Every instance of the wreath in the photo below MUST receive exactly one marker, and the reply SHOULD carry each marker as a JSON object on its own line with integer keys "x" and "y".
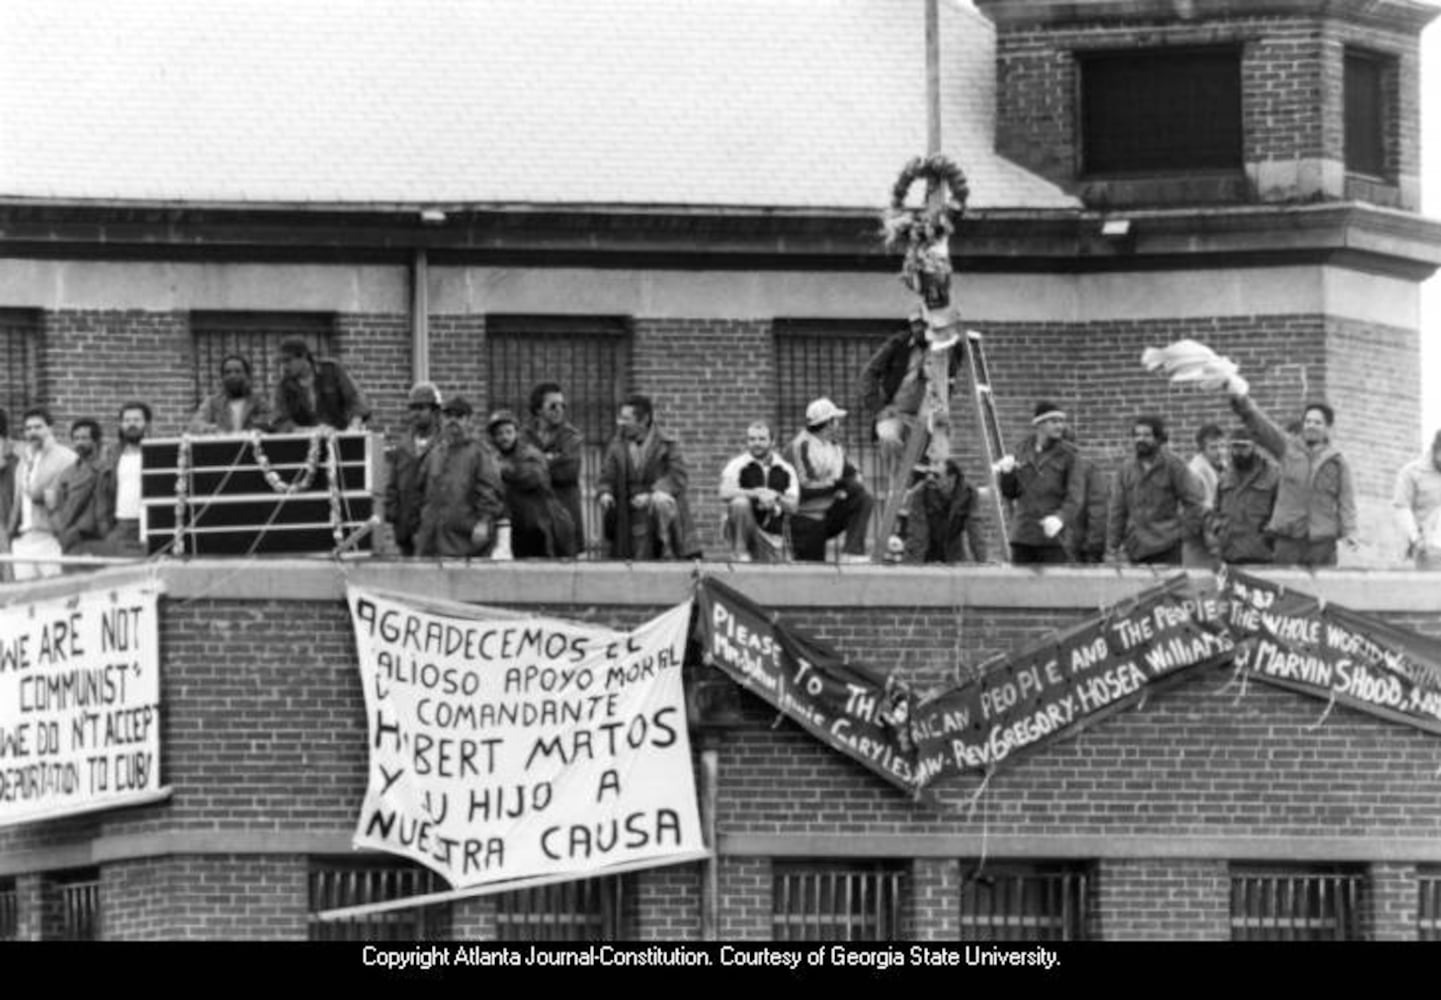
{"x": 921, "y": 233}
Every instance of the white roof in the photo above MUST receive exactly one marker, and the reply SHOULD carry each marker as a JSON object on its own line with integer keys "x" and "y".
{"x": 751, "y": 103}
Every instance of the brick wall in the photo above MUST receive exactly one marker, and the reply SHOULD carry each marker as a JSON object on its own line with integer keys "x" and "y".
{"x": 1155, "y": 900}
{"x": 1292, "y": 106}
{"x": 375, "y": 349}
{"x": 191, "y": 897}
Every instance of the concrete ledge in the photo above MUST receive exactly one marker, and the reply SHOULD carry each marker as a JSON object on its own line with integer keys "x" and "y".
{"x": 659, "y": 584}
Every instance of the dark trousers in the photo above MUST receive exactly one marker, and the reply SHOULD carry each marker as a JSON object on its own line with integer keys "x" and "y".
{"x": 1305, "y": 552}
{"x": 1038, "y": 555}
{"x": 810, "y": 534}
{"x": 1166, "y": 557}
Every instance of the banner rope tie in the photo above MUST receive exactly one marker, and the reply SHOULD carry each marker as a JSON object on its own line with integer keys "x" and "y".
{"x": 1330, "y": 704}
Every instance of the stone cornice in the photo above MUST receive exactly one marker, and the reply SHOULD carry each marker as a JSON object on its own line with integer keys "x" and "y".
{"x": 1399, "y": 15}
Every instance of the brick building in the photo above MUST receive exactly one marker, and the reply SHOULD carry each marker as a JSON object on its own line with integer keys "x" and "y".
{"x": 630, "y": 199}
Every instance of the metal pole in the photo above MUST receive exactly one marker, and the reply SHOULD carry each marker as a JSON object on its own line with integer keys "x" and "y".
{"x": 933, "y": 77}
{"x": 710, "y": 885}
{"x": 420, "y": 316}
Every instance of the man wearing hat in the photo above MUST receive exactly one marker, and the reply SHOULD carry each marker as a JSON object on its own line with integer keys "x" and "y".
{"x": 460, "y": 491}
{"x": 642, "y": 489}
{"x": 315, "y": 392}
{"x": 1245, "y": 500}
{"x": 407, "y": 459}
{"x": 1046, "y": 482}
{"x": 833, "y": 499}
{"x": 540, "y": 526}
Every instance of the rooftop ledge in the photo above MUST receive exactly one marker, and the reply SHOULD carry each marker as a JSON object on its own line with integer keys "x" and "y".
{"x": 656, "y": 584}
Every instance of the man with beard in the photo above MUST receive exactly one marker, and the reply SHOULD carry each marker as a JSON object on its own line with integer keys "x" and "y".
{"x": 36, "y": 497}
{"x": 407, "y": 460}
{"x": 540, "y": 526}
{"x": 118, "y": 488}
{"x": 316, "y": 392}
{"x": 940, "y": 519}
{"x": 78, "y": 517}
{"x": 1315, "y": 501}
{"x": 642, "y": 489}
{"x": 460, "y": 492}
{"x": 1418, "y": 506}
{"x": 1157, "y": 500}
{"x": 560, "y": 442}
{"x": 1045, "y": 479}
{"x": 760, "y": 490}
{"x": 1245, "y": 498}
{"x": 236, "y": 407}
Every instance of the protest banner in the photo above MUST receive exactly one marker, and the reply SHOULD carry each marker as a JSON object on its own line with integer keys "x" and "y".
{"x": 79, "y": 703}
{"x": 1295, "y": 641}
{"x": 510, "y": 748}
{"x": 1053, "y": 689}
{"x": 853, "y": 708}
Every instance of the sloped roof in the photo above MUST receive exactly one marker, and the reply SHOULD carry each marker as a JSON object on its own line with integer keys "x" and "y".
{"x": 775, "y": 103}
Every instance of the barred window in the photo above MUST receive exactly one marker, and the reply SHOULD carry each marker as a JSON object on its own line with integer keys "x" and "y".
{"x": 590, "y": 359}
{"x": 1428, "y": 904}
{"x": 837, "y": 901}
{"x": 1369, "y": 103}
{"x": 582, "y": 910}
{"x": 1160, "y": 110}
{"x": 342, "y": 882}
{"x": 20, "y": 371}
{"x": 1025, "y": 902}
{"x": 9, "y": 911}
{"x": 255, "y": 336}
{"x": 78, "y": 914}
{"x": 1296, "y": 903}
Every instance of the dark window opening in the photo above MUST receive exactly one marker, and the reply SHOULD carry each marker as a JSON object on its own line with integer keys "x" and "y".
{"x": 1296, "y": 903}
{"x": 837, "y": 901}
{"x": 257, "y": 338}
{"x": 20, "y": 373}
{"x": 1161, "y": 110}
{"x": 341, "y": 883}
{"x": 1368, "y": 79}
{"x": 583, "y": 910}
{"x": 1024, "y": 902}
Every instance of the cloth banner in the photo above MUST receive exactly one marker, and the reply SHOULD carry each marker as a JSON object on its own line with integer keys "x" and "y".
{"x": 505, "y": 748}
{"x": 79, "y": 702}
{"x": 850, "y": 707}
{"x": 1296, "y": 641}
{"x": 1053, "y": 689}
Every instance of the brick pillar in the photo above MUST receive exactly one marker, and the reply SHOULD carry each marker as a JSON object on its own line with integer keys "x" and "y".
{"x": 1161, "y": 900}
{"x": 664, "y": 904}
{"x": 473, "y": 919}
{"x": 932, "y": 908}
{"x": 745, "y": 891}
{"x": 29, "y": 891}
{"x": 1388, "y": 910}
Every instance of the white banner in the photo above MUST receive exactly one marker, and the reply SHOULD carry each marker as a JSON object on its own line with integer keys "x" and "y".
{"x": 79, "y": 703}
{"x": 508, "y": 748}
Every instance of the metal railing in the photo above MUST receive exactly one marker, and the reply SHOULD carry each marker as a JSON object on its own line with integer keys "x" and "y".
{"x": 9, "y": 911}
{"x": 1025, "y": 903}
{"x": 1280, "y": 905}
{"x": 824, "y": 902}
{"x": 584, "y": 910}
{"x": 333, "y": 886}
{"x": 257, "y": 338}
{"x": 80, "y": 910}
{"x": 1428, "y": 906}
{"x": 20, "y": 375}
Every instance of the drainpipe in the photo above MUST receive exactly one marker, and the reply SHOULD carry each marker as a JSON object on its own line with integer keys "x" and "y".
{"x": 710, "y": 881}
{"x": 419, "y": 316}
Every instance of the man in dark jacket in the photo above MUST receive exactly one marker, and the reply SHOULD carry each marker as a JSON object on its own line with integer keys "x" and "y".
{"x": 941, "y": 519}
{"x": 315, "y": 392}
{"x": 78, "y": 520}
{"x": 236, "y": 407}
{"x": 1156, "y": 502}
{"x": 1245, "y": 500}
{"x": 407, "y": 460}
{"x": 642, "y": 489}
{"x": 561, "y": 443}
{"x": 460, "y": 491}
{"x": 1315, "y": 500}
{"x": 893, "y": 386}
{"x": 9, "y": 463}
{"x": 540, "y": 525}
{"x": 1045, "y": 480}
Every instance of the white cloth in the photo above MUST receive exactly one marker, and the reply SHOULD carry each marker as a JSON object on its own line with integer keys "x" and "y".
{"x": 35, "y": 545}
{"x": 127, "y": 486}
{"x": 1203, "y": 470}
{"x": 1190, "y": 361}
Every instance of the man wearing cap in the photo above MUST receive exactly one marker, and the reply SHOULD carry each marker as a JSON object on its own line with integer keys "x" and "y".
{"x": 1157, "y": 501}
{"x": 893, "y": 386}
{"x": 316, "y": 392}
{"x": 1315, "y": 500}
{"x": 460, "y": 491}
{"x": 561, "y": 444}
{"x": 1245, "y": 499}
{"x": 407, "y": 460}
{"x": 760, "y": 490}
{"x": 832, "y": 497}
{"x": 642, "y": 489}
{"x": 236, "y": 407}
{"x": 1417, "y": 501}
{"x": 1045, "y": 481}
{"x": 540, "y": 526}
